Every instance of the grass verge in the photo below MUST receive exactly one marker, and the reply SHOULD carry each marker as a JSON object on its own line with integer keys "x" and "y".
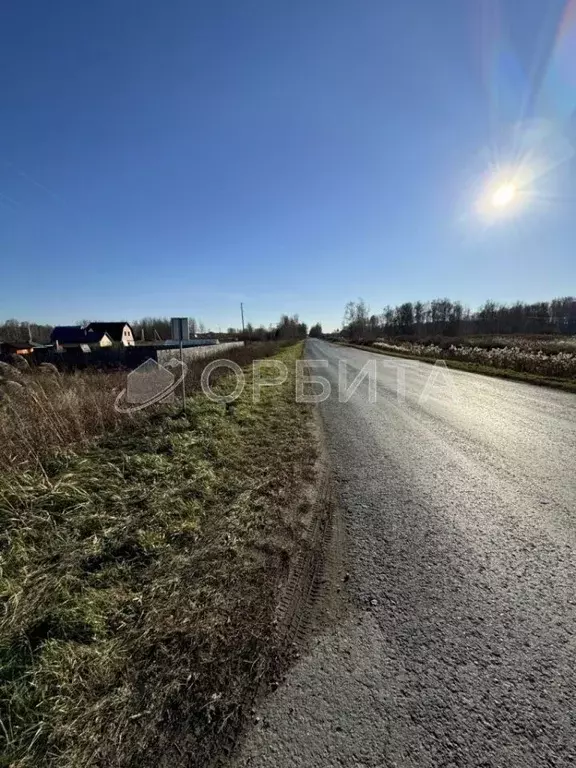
{"x": 486, "y": 370}
{"x": 44, "y": 410}
{"x": 139, "y": 582}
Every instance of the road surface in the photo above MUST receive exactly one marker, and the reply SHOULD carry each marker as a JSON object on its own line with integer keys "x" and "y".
{"x": 459, "y": 645}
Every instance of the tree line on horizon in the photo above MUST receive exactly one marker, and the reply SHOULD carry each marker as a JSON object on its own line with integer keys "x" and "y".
{"x": 316, "y": 331}
{"x": 158, "y": 328}
{"x": 451, "y": 318}
{"x": 288, "y": 327}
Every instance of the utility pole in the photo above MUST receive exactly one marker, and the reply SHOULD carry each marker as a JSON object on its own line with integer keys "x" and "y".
{"x": 242, "y": 313}
{"x": 183, "y": 374}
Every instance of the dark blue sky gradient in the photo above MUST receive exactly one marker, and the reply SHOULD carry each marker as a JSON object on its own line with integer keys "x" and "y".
{"x": 161, "y": 158}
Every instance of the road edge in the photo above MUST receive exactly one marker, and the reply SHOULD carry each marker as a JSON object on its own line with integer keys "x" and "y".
{"x": 312, "y": 597}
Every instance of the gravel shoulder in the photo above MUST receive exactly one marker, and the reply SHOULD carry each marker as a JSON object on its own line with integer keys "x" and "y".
{"x": 456, "y": 643}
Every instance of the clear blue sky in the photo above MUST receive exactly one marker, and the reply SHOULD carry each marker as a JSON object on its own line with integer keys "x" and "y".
{"x": 161, "y": 158}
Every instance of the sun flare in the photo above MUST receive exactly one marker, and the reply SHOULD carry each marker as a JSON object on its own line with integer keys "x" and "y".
{"x": 504, "y": 195}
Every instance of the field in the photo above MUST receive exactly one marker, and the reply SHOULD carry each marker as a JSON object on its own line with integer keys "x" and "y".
{"x": 140, "y": 568}
{"x": 541, "y": 359}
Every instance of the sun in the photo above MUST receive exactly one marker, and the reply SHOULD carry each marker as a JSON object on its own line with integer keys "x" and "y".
{"x": 505, "y": 191}
{"x": 504, "y": 195}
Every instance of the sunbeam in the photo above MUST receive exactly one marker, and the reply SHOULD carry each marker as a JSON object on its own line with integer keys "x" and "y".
{"x": 525, "y": 148}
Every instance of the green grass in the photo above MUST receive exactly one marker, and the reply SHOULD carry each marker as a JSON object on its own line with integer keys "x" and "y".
{"x": 486, "y": 370}
{"x": 139, "y": 582}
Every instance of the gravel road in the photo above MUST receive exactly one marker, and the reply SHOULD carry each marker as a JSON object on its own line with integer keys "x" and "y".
{"x": 457, "y": 647}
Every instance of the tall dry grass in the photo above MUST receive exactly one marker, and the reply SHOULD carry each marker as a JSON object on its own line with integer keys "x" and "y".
{"x": 560, "y": 364}
{"x": 44, "y": 411}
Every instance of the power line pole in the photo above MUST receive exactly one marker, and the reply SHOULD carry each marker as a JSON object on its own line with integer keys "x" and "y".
{"x": 242, "y": 313}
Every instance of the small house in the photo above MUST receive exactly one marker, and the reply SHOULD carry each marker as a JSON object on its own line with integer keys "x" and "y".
{"x": 76, "y": 337}
{"x": 121, "y": 332}
{"x": 16, "y": 347}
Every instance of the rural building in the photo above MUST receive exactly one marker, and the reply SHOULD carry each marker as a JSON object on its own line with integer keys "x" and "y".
{"x": 76, "y": 337}
{"x": 120, "y": 332}
{"x": 17, "y": 347}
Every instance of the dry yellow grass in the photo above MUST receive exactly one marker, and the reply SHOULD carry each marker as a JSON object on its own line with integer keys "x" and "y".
{"x": 139, "y": 582}
{"x": 44, "y": 411}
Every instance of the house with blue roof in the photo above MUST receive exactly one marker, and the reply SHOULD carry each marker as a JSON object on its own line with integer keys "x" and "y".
{"x": 77, "y": 337}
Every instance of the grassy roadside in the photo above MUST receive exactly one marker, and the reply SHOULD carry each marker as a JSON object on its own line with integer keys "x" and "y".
{"x": 139, "y": 582}
{"x": 487, "y": 370}
{"x": 44, "y": 411}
